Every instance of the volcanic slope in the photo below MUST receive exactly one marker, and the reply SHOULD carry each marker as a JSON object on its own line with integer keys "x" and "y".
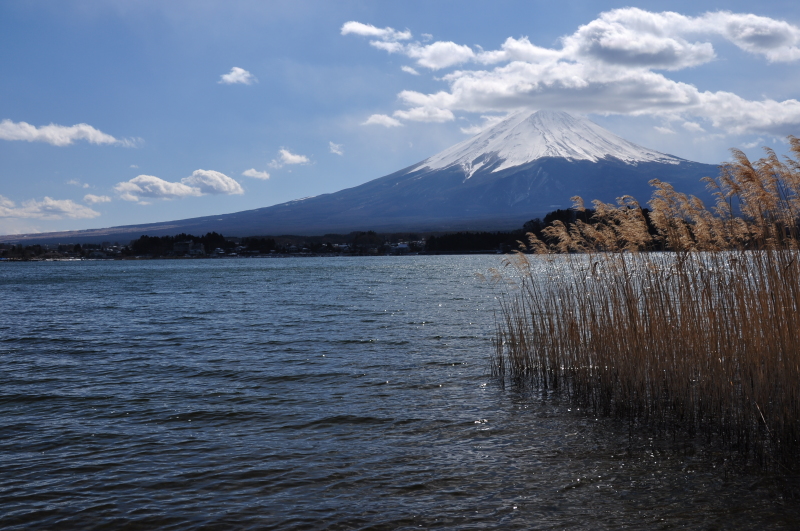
{"x": 523, "y": 167}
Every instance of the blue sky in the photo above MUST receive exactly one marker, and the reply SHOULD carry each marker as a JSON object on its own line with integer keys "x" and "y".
{"x": 116, "y": 113}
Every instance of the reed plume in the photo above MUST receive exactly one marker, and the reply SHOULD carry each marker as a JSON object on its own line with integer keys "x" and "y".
{"x": 703, "y": 338}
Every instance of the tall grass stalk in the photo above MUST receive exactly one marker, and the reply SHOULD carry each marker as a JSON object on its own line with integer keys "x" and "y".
{"x": 704, "y": 338}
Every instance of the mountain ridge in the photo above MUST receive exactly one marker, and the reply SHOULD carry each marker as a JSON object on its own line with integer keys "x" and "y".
{"x": 521, "y": 168}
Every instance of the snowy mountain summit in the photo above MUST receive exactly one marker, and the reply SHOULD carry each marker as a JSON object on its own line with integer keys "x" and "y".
{"x": 525, "y": 137}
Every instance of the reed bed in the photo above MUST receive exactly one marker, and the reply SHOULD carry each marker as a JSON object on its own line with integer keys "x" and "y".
{"x": 703, "y": 338}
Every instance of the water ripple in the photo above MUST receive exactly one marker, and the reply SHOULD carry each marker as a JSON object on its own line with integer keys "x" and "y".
{"x": 313, "y": 393}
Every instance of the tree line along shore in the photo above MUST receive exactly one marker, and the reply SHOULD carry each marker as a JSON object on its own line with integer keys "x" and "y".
{"x": 361, "y": 243}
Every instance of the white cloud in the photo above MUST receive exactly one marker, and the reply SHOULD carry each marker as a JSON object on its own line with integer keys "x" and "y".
{"x": 440, "y": 54}
{"x": 47, "y": 208}
{"x": 93, "y": 199}
{"x": 777, "y": 40}
{"x": 155, "y": 187}
{"x": 213, "y": 182}
{"x": 237, "y": 75}
{"x": 134, "y": 166}
{"x": 336, "y": 149}
{"x": 693, "y": 127}
{"x": 58, "y": 135}
{"x": 637, "y": 38}
{"x": 75, "y": 182}
{"x": 755, "y": 143}
{"x": 615, "y": 64}
{"x": 382, "y": 119}
{"x": 389, "y": 46}
{"x": 426, "y": 114}
{"x": 664, "y": 130}
{"x": 255, "y": 174}
{"x": 408, "y": 70}
{"x": 287, "y": 157}
{"x": 201, "y": 182}
{"x": 518, "y": 50}
{"x": 368, "y": 30}
{"x": 433, "y": 56}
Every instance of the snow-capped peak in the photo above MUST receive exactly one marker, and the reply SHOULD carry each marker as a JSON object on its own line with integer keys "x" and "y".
{"x": 524, "y": 137}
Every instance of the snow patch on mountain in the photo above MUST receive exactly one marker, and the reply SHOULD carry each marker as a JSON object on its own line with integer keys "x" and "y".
{"x": 524, "y": 137}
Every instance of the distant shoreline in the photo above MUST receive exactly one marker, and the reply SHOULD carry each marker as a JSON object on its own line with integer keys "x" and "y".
{"x": 265, "y": 256}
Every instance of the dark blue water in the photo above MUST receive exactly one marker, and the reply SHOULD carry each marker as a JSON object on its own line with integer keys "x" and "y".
{"x": 313, "y": 393}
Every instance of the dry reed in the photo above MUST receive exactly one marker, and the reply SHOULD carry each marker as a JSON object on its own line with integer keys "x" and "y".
{"x": 704, "y": 338}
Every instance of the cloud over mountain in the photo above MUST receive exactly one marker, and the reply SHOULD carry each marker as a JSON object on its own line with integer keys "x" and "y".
{"x": 616, "y": 63}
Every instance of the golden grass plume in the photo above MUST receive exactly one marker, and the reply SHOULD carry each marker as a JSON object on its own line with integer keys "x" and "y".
{"x": 704, "y": 337}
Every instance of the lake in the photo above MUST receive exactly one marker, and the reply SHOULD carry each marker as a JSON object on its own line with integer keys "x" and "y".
{"x": 315, "y": 393}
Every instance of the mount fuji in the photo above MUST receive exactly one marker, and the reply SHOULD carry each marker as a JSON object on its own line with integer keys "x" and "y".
{"x": 521, "y": 168}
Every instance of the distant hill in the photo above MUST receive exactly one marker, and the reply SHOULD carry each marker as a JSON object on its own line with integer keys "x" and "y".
{"x": 523, "y": 167}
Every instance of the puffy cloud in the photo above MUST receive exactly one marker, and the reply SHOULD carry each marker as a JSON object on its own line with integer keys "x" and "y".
{"x": 255, "y": 174}
{"x": 382, "y": 119}
{"x": 213, "y": 182}
{"x": 287, "y": 157}
{"x": 777, "y": 40}
{"x": 408, "y": 70}
{"x": 734, "y": 114}
{"x": 658, "y": 40}
{"x": 58, "y": 135}
{"x": 155, "y": 187}
{"x": 336, "y": 149}
{"x": 201, "y": 182}
{"x": 518, "y": 50}
{"x": 693, "y": 127}
{"x": 237, "y": 75}
{"x": 615, "y": 64}
{"x": 47, "y": 208}
{"x": 637, "y": 38}
{"x": 93, "y": 199}
{"x": 426, "y": 114}
{"x": 368, "y": 30}
{"x": 434, "y": 56}
{"x": 440, "y": 54}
